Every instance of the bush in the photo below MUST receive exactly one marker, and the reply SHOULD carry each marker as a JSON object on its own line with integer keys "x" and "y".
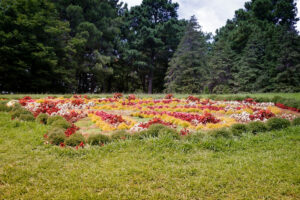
{"x": 263, "y": 99}
{"x": 195, "y": 137}
{"x": 75, "y": 140}
{"x": 238, "y": 129}
{"x": 277, "y": 123}
{"x": 168, "y": 132}
{"x": 120, "y": 135}
{"x": 256, "y": 127}
{"x": 26, "y": 117}
{"x": 220, "y": 133}
{"x": 52, "y": 119}
{"x": 16, "y": 107}
{"x": 296, "y": 122}
{"x": 17, "y": 112}
{"x": 153, "y": 130}
{"x": 4, "y": 108}
{"x": 277, "y": 99}
{"x": 98, "y": 139}
{"x": 56, "y": 136}
{"x": 62, "y": 123}
{"x": 42, "y": 118}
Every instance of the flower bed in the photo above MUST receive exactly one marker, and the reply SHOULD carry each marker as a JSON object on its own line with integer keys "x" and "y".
{"x": 135, "y": 114}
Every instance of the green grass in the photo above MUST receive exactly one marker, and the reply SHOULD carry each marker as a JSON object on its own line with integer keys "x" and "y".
{"x": 295, "y": 96}
{"x": 265, "y": 166}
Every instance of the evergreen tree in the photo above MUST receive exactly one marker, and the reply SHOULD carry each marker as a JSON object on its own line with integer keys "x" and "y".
{"x": 33, "y": 45}
{"x": 188, "y": 69}
{"x": 152, "y": 25}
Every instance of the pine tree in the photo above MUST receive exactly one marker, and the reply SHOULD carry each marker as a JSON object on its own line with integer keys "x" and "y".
{"x": 188, "y": 70}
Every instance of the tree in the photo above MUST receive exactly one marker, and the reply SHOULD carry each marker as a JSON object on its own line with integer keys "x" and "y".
{"x": 253, "y": 49}
{"x": 95, "y": 29}
{"x": 152, "y": 24}
{"x": 33, "y": 42}
{"x": 188, "y": 68}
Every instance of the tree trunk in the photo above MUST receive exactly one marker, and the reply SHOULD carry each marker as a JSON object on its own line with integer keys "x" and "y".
{"x": 150, "y": 81}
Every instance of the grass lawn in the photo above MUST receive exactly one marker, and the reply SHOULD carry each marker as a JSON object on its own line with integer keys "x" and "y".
{"x": 265, "y": 166}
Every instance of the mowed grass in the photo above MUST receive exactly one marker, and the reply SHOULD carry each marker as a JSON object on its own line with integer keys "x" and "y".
{"x": 295, "y": 96}
{"x": 265, "y": 166}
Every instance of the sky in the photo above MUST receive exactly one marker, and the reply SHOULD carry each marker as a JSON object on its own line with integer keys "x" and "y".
{"x": 211, "y": 14}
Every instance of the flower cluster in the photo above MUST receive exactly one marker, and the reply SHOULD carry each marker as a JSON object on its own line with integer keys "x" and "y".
{"x": 70, "y": 131}
{"x": 189, "y": 114}
{"x": 154, "y": 121}
{"x": 110, "y": 122}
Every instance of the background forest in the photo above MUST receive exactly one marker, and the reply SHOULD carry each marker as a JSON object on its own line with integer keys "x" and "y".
{"x": 95, "y": 46}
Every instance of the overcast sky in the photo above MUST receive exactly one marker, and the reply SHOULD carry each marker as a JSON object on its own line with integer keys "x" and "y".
{"x": 211, "y": 14}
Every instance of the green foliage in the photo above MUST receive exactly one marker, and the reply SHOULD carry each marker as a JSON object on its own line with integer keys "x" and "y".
{"x": 188, "y": 72}
{"x": 56, "y": 136}
{"x": 52, "y": 119}
{"x": 195, "y": 137}
{"x": 15, "y": 113}
{"x": 4, "y": 108}
{"x": 238, "y": 129}
{"x": 257, "y": 127}
{"x": 120, "y": 135}
{"x": 277, "y": 123}
{"x": 169, "y": 132}
{"x": 258, "y": 50}
{"x": 296, "y": 122}
{"x": 98, "y": 139}
{"x": 42, "y": 118}
{"x": 220, "y": 133}
{"x": 75, "y": 139}
{"x": 32, "y": 43}
{"x": 26, "y": 117}
{"x": 61, "y": 123}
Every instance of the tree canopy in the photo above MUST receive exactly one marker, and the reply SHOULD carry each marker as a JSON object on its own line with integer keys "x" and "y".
{"x": 95, "y": 46}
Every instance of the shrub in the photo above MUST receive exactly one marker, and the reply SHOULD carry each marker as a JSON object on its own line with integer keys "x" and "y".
{"x": 75, "y": 140}
{"x": 98, "y": 139}
{"x": 16, "y": 106}
{"x": 52, "y": 119}
{"x": 4, "y": 108}
{"x": 220, "y": 133}
{"x": 296, "y": 122}
{"x": 17, "y": 112}
{"x": 120, "y": 135}
{"x": 42, "y": 118}
{"x": 238, "y": 129}
{"x": 277, "y": 99}
{"x": 26, "y": 117}
{"x": 277, "y": 123}
{"x": 195, "y": 137}
{"x": 56, "y": 136}
{"x": 62, "y": 123}
{"x": 168, "y": 132}
{"x": 256, "y": 127}
{"x": 153, "y": 130}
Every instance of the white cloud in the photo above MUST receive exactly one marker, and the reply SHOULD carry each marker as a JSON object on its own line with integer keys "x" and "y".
{"x": 211, "y": 14}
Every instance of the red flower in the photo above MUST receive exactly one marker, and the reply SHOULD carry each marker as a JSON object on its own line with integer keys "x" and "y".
{"x": 154, "y": 121}
{"x": 192, "y": 98}
{"x": 118, "y": 95}
{"x": 81, "y": 144}
{"x": 184, "y": 132}
{"x": 249, "y": 100}
{"x": 131, "y": 97}
{"x": 62, "y": 145}
{"x": 169, "y": 96}
{"x": 71, "y": 130}
{"x": 45, "y": 136}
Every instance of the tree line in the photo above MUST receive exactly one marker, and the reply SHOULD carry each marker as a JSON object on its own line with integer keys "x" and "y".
{"x": 63, "y": 46}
